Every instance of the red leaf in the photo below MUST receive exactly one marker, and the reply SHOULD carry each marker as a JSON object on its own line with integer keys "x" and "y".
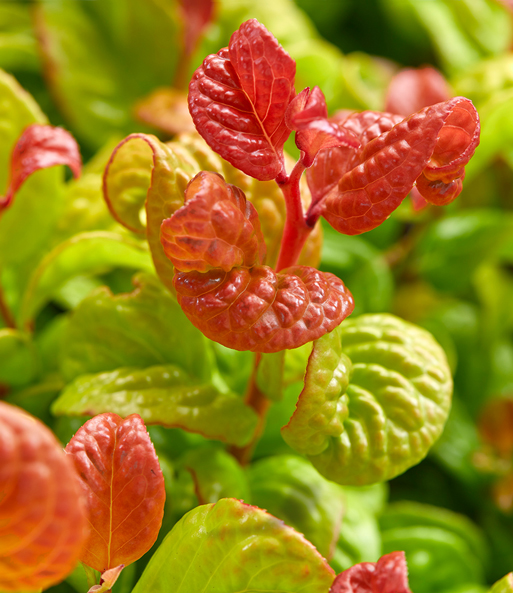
{"x": 42, "y": 512}
{"x": 308, "y": 115}
{"x": 197, "y": 15}
{"x": 216, "y": 228}
{"x": 40, "y": 147}
{"x": 388, "y": 575}
{"x": 413, "y": 89}
{"x": 256, "y": 309}
{"x": 124, "y": 487}
{"x": 238, "y": 99}
{"x": 438, "y": 140}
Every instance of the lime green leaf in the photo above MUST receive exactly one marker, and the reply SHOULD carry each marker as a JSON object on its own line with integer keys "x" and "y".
{"x": 373, "y": 424}
{"x": 19, "y": 362}
{"x": 234, "y": 366}
{"x": 270, "y": 375}
{"x": 18, "y": 49}
{"x": 91, "y": 253}
{"x": 289, "y": 488}
{"x": 504, "y": 585}
{"x": 230, "y": 547}
{"x": 443, "y": 549}
{"x": 164, "y": 395}
{"x": 216, "y": 474}
{"x": 139, "y": 329}
{"x": 295, "y": 363}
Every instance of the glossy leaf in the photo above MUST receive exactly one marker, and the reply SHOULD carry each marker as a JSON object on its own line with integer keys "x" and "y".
{"x": 163, "y": 395}
{"x": 142, "y": 328}
{"x": 216, "y": 228}
{"x": 238, "y": 99}
{"x": 290, "y": 488}
{"x": 84, "y": 253}
{"x": 430, "y": 147}
{"x": 377, "y": 394}
{"x": 389, "y": 573}
{"x": 216, "y": 474}
{"x": 256, "y": 309}
{"x": 122, "y": 481}
{"x": 413, "y": 89}
{"x": 42, "y": 512}
{"x": 230, "y": 547}
{"x": 40, "y": 147}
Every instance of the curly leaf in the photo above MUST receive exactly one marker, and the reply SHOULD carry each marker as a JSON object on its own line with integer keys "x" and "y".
{"x": 142, "y": 328}
{"x": 124, "y": 487}
{"x": 216, "y": 228}
{"x": 231, "y": 546}
{"x": 290, "y": 488}
{"x": 431, "y": 148}
{"x": 259, "y": 310}
{"x": 163, "y": 395}
{"x": 42, "y": 512}
{"x": 238, "y": 99}
{"x": 377, "y": 394}
{"x": 389, "y": 573}
{"x": 415, "y": 88}
{"x": 40, "y": 147}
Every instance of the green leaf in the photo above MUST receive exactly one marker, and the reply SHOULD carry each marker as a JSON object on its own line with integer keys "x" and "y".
{"x": 375, "y": 423}
{"x": 164, "y": 395}
{"x": 18, "y": 48}
{"x": 453, "y": 247}
{"x": 140, "y": 329}
{"x": 216, "y": 474}
{"x": 443, "y": 549}
{"x": 90, "y": 253}
{"x": 19, "y": 362}
{"x": 270, "y": 375}
{"x": 289, "y": 488}
{"x": 504, "y": 585}
{"x": 230, "y": 547}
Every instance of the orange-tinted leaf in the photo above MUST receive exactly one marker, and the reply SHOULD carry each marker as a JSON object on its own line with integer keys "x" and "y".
{"x": 257, "y": 309}
{"x": 123, "y": 483}
{"x": 388, "y": 575}
{"x": 42, "y": 511}
{"x": 216, "y": 228}
{"x": 495, "y": 426}
{"x": 40, "y": 147}
{"x": 165, "y": 109}
{"x": 435, "y": 143}
{"x": 238, "y": 99}
{"x": 415, "y": 88}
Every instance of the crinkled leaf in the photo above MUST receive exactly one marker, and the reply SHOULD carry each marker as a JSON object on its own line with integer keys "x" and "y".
{"x": 123, "y": 484}
{"x": 215, "y": 228}
{"x": 42, "y": 513}
{"x": 504, "y": 585}
{"x": 164, "y": 395}
{"x": 413, "y": 89}
{"x": 389, "y": 573}
{"x": 19, "y": 362}
{"x": 430, "y": 147}
{"x": 84, "y": 253}
{"x": 230, "y": 547}
{"x": 216, "y": 474}
{"x": 142, "y": 328}
{"x": 289, "y": 488}
{"x": 256, "y": 309}
{"x": 238, "y": 99}
{"x": 269, "y": 377}
{"x": 40, "y": 147}
{"x": 377, "y": 394}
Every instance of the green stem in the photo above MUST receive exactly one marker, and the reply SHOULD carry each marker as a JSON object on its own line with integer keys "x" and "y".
{"x": 5, "y": 311}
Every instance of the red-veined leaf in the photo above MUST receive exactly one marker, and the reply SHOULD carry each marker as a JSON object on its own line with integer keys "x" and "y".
{"x": 434, "y": 144}
{"x": 124, "y": 487}
{"x": 413, "y": 89}
{"x": 42, "y": 511}
{"x": 307, "y": 113}
{"x": 259, "y": 310}
{"x": 216, "y": 228}
{"x": 238, "y": 99}
{"x": 197, "y": 15}
{"x": 40, "y": 147}
{"x": 388, "y": 575}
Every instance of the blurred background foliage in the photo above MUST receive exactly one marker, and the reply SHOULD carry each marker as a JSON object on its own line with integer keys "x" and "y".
{"x": 91, "y": 64}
